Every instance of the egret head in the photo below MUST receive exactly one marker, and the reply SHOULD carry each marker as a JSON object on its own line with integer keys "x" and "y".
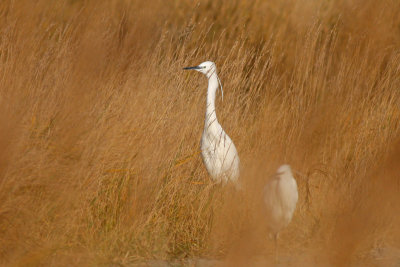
{"x": 208, "y": 68}
{"x": 284, "y": 169}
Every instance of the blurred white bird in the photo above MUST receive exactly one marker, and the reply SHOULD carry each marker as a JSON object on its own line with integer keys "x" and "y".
{"x": 217, "y": 149}
{"x": 280, "y": 198}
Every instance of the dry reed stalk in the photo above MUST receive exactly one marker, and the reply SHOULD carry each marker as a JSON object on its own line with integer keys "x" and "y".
{"x": 100, "y": 129}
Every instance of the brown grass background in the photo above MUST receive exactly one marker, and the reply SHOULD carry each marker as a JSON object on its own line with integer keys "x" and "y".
{"x": 100, "y": 130}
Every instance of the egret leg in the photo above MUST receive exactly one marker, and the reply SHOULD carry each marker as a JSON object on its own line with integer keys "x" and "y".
{"x": 276, "y": 248}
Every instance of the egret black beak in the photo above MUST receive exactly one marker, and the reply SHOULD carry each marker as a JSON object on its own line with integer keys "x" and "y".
{"x": 192, "y": 68}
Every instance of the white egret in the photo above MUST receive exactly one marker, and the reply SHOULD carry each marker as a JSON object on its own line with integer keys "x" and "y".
{"x": 217, "y": 149}
{"x": 280, "y": 198}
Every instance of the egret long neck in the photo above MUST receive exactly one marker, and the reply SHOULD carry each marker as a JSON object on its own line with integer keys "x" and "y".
{"x": 211, "y": 116}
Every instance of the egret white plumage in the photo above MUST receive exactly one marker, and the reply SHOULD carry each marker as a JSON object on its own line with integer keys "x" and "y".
{"x": 280, "y": 198}
{"x": 217, "y": 149}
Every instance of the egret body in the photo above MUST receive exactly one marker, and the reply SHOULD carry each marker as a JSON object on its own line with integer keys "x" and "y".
{"x": 217, "y": 149}
{"x": 280, "y": 198}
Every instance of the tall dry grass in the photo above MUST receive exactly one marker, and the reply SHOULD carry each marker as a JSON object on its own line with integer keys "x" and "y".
{"x": 100, "y": 129}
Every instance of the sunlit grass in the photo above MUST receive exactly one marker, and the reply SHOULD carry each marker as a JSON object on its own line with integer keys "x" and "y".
{"x": 100, "y": 129}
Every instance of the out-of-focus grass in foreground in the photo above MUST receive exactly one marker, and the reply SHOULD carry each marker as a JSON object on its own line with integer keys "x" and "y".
{"x": 100, "y": 129}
